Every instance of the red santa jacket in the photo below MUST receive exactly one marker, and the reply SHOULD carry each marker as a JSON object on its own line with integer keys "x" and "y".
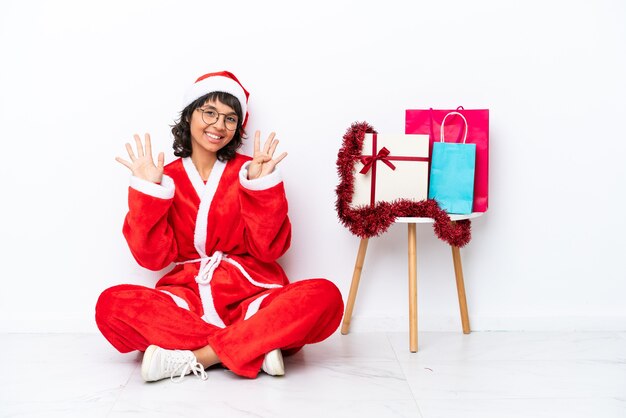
{"x": 224, "y": 236}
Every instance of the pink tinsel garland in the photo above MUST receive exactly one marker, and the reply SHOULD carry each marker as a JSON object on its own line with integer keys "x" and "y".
{"x": 368, "y": 221}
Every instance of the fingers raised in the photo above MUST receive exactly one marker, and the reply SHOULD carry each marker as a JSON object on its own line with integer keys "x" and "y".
{"x": 272, "y": 148}
{"x": 257, "y": 142}
{"x": 139, "y": 145}
{"x": 268, "y": 143}
{"x": 280, "y": 158}
{"x": 124, "y": 162}
{"x": 148, "y": 146}
{"x": 161, "y": 160}
{"x": 131, "y": 154}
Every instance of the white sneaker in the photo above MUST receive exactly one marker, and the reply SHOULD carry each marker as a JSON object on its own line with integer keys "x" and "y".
{"x": 159, "y": 363}
{"x": 273, "y": 363}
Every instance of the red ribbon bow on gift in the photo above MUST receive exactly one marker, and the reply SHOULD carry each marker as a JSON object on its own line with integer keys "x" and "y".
{"x": 368, "y": 161}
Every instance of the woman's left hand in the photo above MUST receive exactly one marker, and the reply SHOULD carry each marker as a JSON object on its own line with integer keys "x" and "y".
{"x": 262, "y": 162}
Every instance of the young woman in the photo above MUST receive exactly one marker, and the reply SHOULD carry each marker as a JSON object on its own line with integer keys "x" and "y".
{"x": 221, "y": 218}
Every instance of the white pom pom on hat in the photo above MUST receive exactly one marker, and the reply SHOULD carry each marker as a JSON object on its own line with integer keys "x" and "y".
{"x": 222, "y": 81}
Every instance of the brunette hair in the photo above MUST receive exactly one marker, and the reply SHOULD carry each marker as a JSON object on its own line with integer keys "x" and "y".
{"x": 182, "y": 131}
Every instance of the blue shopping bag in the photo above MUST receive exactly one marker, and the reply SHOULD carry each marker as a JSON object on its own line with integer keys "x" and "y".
{"x": 452, "y": 171}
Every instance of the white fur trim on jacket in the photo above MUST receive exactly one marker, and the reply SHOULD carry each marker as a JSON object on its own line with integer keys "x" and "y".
{"x": 165, "y": 190}
{"x": 194, "y": 176}
{"x": 263, "y": 183}
{"x": 210, "y": 313}
{"x": 206, "y": 192}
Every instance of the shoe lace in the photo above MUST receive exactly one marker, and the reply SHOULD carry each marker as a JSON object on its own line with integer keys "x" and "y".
{"x": 179, "y": 365}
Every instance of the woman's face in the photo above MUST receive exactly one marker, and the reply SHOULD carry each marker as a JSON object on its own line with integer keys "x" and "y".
{"x": 211, "y": 138}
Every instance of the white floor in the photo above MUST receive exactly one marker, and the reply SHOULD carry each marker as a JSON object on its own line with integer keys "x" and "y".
{"x": 484, "y": 374}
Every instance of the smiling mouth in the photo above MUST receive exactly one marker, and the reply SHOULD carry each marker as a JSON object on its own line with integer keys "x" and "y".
{"x": 213, "y": 137}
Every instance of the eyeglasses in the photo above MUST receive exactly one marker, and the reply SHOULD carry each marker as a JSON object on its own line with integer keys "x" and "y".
{"x": 210, "y": 116}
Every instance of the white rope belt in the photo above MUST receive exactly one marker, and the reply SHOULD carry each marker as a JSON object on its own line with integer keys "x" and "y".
{"x": 209, "y": 264}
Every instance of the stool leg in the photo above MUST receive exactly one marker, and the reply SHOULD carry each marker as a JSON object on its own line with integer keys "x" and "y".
{"x": 354, "y": 286}
{"x": 412, "y": 288}
{"x": 460, "y": 288}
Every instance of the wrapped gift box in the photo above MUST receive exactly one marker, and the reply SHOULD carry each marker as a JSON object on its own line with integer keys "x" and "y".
{"x": 393, "y": 166}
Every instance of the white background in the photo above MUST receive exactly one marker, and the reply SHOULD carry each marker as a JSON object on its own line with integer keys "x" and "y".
{"x": 78, "y": 78}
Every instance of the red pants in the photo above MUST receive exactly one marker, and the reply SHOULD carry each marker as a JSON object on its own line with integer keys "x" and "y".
{"x": 132, "y": 317}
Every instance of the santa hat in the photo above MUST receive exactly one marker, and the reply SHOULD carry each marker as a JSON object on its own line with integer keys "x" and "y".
{"x": 222, "y": 81}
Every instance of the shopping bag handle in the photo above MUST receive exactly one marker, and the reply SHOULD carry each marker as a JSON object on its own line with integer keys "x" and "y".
{"x": 443, "y": 122}
{"x": 432, "y": 133}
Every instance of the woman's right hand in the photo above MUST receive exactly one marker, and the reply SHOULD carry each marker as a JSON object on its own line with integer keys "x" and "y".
{"x": 142, "y": 165}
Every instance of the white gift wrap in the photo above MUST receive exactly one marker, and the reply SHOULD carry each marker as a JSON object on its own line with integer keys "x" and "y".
{"x": 408, "y": 181}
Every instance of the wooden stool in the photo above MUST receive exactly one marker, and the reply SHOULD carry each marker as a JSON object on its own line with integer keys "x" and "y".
{"x": 458, "y": 271}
